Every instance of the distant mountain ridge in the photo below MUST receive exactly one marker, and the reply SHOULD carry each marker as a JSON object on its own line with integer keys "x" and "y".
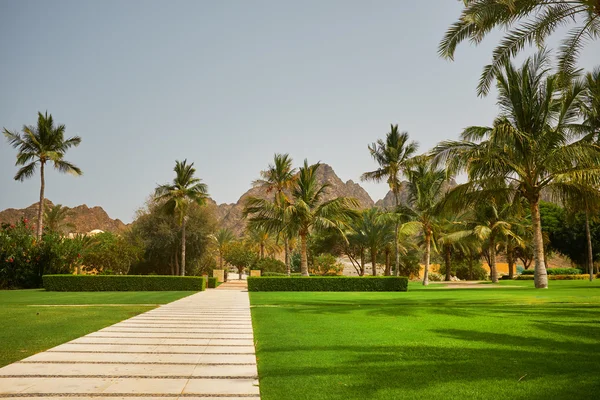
{"x": 86, "y": 219}
{"x": 83, "y": 218}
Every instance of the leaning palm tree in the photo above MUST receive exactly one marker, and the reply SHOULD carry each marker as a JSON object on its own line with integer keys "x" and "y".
{"x": 42, "y": 144}
{"x": 279, "y": 177}
{"x": 426, "y": 185}
{"x": 393, "y": 157}
{"x": 54, "y": 218}
{"x": 223, "y": 238}
{"x": 534, "y": 145}
{"x": 526, "y": 22}
{"x": 177, "y": 196}
{"x": 305, "y": 212}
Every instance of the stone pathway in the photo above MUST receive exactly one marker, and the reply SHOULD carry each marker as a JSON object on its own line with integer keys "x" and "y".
{"x": 199, "y": 347}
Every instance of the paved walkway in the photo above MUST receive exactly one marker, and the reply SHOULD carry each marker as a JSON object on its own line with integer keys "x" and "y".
{"x": 198, "y": 347}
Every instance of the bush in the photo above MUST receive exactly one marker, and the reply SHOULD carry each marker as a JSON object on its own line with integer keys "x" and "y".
{"x": 460, "y": 269}
{"x": 281, "y": 274}
{"x": 573, "y": 277}
{"x": 121, "y": 283}
{"x": 326, "y": 264}
{"x": 212, "y": 282}
{"x": 434, "y": 277}
{"x": 555, "y": 271}
{"x": 269, "y": 265}
{"x": 328, "y": 284}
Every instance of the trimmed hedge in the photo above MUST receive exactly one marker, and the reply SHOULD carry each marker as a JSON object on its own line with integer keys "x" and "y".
{"x": 555, "y": 271}
{"x": 578, "y": 277}
{"x": 122, "y": 283}
{"x": 212, "y": 282}
{"x": 328, "y": 284}
{"x": 293, "y": 274}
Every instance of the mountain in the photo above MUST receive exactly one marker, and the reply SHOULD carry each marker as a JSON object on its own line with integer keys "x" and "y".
{"x": 388, "y": 201}
{"x": 230, "y": 215}
{"x": 83, "y": 218}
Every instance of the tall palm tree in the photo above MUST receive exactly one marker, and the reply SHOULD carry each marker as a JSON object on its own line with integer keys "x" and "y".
{"x": 305, "y": 211}
{"x": 393, "y": 156}
{"x": 42, "y": 144}
{"x": 526, "y": 22}
{"x": 279, "y": 177}
{"x": 223, "y": 238}
{"x": 426, "y": 185}
{"x": 54, "y": 218}
{"x": 177, "y": 196}
{"x": 533, "y": 146}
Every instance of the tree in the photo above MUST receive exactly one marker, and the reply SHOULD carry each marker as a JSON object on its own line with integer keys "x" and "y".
{"x": 39, "y": 145}
{"x": 376, "y": 231}
{"x": 223, "y": 238}
{"x": 238, "y": 255}
{"x": 534, "y": 145}
{"x": 278, "y": 178}
{"x": 393, "y": 157}
{"x": 161, "y": 238}
{"x": 425, "y": 192}
{"x": 526, "y": 22}
{"x": 54, "y": 218}
{"x": 306, "y": 210}
{"x": 177, "y": 197}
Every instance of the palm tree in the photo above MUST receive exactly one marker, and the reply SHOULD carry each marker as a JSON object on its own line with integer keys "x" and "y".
{"x": 39, "y": 145}
{"x": 426, "y": 185}
{"x": 176, "y": 197}
{"x": 305, "y": 211}
{"x": 533, "y": 146}
{"x": 223, "y": 238}
{"x": 279, "y": 177}
{"x": 375, "y": 230}
{"x": 526, "y": 22}
{"x": 54, "y": 218}
{"x": 393, "y": 157}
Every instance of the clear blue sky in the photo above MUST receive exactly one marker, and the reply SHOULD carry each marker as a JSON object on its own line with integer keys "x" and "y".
{"x": 226, "y": 84}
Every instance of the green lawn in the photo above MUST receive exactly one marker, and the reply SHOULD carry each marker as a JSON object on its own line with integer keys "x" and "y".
{"x": 507, "y": 342}
{"x": 29, "y": 327}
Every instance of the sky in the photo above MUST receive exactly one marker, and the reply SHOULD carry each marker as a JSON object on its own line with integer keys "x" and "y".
{"x": 226, "y": 84}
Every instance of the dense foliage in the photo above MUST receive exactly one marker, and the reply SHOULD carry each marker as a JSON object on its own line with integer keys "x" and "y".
{"x": 119, "y": 283}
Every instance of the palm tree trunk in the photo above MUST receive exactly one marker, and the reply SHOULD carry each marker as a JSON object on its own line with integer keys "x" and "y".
{"x": 41, "y": 206}
{"x": 427, "y": 257}
{"x": 493, "y": 271}
{"x": 374, "y": 261}
{"x": 183, "y": 247}
{"x": 541, "y": 276}
{"x": 362, "y": 261}
{"x": 510, "y": 258}
{"x": 590, "y": 254}
{"x": 177, "y": 263}
{"x": 220, "y": 259}
{"x": 262, "y": 250}
{"x": 447, "y": 262}
{"x": 287, "y": 256}
{"x": 304, "y": 255}
{"x": 397, "y": 245}
{"x": 388, "y": 264}
{"x": 470, "y": 266}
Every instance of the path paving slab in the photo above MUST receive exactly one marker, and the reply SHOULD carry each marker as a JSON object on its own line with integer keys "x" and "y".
{"x": 199, "y": 347}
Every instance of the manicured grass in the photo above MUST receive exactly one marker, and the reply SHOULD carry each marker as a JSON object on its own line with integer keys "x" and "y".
{"x": 505, "y": 342}
{"x": 29, "y": 327}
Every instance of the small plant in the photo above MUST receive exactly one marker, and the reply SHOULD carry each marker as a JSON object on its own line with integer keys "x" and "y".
{"x": 326, "y": 264}
{"x": 435, "y": 277}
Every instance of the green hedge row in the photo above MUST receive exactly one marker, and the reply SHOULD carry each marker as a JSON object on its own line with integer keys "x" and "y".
{"x": 212, "y": 282}
{"x": 328, "y": 284}
{"x": 578, "y": 277}
{"x": 555, "y": 271}
{"x": 122, "y": 283}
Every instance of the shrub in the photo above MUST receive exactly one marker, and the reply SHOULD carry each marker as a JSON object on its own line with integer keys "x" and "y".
{"x": 572, "y": 277}
{"x": 328, "y": 284}
{"x": 269, "y": 265}
{"x": 281, "y": 274}
{"x": 212, "y": 282}
{"x": 434, "y": 277}
{"x": 326, "y": 264}
{"x": 554, "y": 271}
{"x": 121, "y": 283}
{"x": 460, "y": 269}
